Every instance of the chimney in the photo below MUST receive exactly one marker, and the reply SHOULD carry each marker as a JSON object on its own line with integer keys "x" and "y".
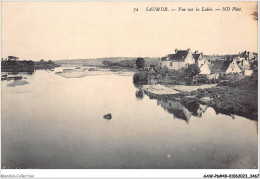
{"x": 176, "y": 50}
{"x": 188, "y": 49}
{"x": 201, "y": 54}
{"x": 196, "y": 52}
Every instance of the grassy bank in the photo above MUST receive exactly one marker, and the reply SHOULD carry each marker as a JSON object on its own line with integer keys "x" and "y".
{"x": 231, "y": 100}
{"x": 239, "y": 97}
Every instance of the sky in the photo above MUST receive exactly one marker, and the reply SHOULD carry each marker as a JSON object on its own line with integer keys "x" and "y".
{"x": 72, "y": 30}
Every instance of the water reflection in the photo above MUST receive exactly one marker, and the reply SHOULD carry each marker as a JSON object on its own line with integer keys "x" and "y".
{"x": 181, "y": 109}
{"x": 176, "y": 108}
{"x": 139, "y": 94}
{"x": 195, "y": 108}
{"x": 185, "y": 108}
{"x": 15, "y": 75}
{"x": 17, "y": 70}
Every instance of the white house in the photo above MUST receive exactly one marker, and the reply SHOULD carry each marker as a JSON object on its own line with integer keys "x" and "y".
{"x": 233, "y": 67}
{"x": 204, "y": 69}
{"x": 199, "y": 59}
{"x": 242, "y": 61}
{"x": 248, "y": 72}
{"x": 244, "y": 66}
{"x": 176, "y": 61}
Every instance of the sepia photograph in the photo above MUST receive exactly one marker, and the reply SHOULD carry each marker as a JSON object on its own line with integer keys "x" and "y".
{"x": 129, "y": 85}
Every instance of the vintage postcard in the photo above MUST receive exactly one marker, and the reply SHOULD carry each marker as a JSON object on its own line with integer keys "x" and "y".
{"x": 129, "y": 85}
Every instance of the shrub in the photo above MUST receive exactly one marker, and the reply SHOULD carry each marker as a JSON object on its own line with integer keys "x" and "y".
{"x": 188, "y": 81}
{"x": 202, "y": 79}
{"x": 140, "y": 77}
{"x": 192, "y": 70}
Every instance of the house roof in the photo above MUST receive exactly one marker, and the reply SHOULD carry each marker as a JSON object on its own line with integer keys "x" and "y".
{"x": 226, "y": 64}
{"x": 179, "y": 56}
{"x": 221, "y": 65}
{"x": 217, "y": 65}
{"x": 244, "y": 67}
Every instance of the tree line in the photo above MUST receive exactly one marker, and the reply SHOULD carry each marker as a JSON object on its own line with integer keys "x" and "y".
{"x": 14, "y": 62}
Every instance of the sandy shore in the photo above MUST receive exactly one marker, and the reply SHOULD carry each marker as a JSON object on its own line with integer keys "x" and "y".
{"x": 174, "y": 89}
{"x": 17, "y": 83}
{"x": 159, "y": 89}
{"x": 79, "y": 73}
{"x": 184, "y": 88}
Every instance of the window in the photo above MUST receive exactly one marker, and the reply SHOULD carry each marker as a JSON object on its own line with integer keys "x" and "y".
{"x": 171, "y": 64}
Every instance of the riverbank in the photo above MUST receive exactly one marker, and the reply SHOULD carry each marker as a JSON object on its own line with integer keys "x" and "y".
{"x": 159, "y": 90}
{"x": 230, "y": 100}
{"x": 185, "y": 88}
{"x": 227, "y": 100}
{"x": 119, "y": 68}
{"x": 79, "y": 72}
{"x": 19, "y": 68}
{"x": 229, "y": 97}
{"x": 26, "y": 65}
{"x": 46, "y": 66}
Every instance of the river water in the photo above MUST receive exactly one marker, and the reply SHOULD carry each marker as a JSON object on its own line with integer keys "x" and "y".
{"x": 57, "y": 123}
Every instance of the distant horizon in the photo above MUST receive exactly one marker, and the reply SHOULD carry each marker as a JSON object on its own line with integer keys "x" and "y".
{"x": 89, "y": 58}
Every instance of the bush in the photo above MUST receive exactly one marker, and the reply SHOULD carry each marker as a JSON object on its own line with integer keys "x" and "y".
{"x": 140, "y": 77}
{"x": 188, "y": 81}
{"x": 248, "y": 83}
{"x": 213, "y": 80}
{"x": 203, "y": 79}
{"x": 192, "y": 70}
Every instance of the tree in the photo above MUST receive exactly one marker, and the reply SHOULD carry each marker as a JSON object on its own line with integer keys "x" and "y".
{"x": 50, "y": 62}
{"x": 192, "y": 70}
{"x": 189, "y": 72}
{"x": 140, "y": 62}
{"x": 203, "y": 79}
{"x": 30, "y": 63}
{"x": 157, "y": 69}
{"x": 254, "y": 65}
{"x": 12, "y": 58}
{"x": 164, "y": 71}
{"x": 140, "y": 77}
{"x": 105, "y": 62}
